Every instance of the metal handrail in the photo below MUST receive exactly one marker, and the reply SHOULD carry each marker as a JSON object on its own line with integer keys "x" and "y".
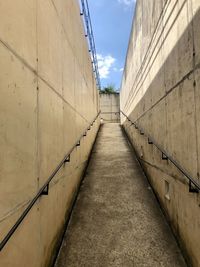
{"x": 89, "y": 33}
{"x": 44, "y": 190}
{"x": 194, "y": 186}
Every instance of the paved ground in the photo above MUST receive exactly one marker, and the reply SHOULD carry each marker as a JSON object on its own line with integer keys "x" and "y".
{"x": 117, "y": 220}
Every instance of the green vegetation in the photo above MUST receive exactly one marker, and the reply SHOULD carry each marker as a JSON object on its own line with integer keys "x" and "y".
{"x": 109, "y": 89}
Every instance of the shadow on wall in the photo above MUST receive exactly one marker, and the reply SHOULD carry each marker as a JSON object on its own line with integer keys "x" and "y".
{"x": 169, "y": 111}
{"x": 156, "y": 57}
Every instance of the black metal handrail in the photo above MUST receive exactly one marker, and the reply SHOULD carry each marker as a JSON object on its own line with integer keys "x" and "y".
{"x": 44, "y": 190}
{"x": 194, "y": 186}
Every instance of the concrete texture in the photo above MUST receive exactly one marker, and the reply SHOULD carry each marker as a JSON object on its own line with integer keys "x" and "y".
{"x": 48, "y": 97}
{"x": 161, "y": 91}
{"x": 109, "y": 106}
{"x": 116, "y": 220}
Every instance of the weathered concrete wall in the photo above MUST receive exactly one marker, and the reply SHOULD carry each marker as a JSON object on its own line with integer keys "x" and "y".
{"x": 161, "y": 91}
{"x": 109, "y": 106}
{"x": 48, "y": 97}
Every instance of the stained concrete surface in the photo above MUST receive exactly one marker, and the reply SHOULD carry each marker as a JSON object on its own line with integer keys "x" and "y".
{"x": 161, "y": 91}
{"x": 116, "y": 220}
{"x": 109, "y": 106}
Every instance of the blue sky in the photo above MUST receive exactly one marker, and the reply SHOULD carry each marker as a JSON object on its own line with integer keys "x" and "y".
{"x": 111, "y": 21}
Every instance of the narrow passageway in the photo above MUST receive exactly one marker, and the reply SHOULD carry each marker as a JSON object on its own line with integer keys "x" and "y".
{"x": 116, "y": 220}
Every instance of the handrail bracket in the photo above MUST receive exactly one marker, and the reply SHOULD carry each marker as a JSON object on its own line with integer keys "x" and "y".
{"x": 45, "y": 192}
{"x": 164, "y": 157}
{"x": 192, "y": 189}
{"x": 194, "y": 186}
{"x": 67, "y": 159}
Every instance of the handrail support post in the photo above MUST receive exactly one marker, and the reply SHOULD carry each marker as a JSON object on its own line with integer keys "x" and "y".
{"x": 79, "y": 143}
{"x": 192, "y": 189}
{"x": 150, "y": 142}
{"x": 164, "y": 157}
{"x": 67, "y": 159}
{"x": 45, "y": 192}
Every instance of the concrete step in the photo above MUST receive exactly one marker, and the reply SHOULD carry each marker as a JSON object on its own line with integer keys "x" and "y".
{"x": 117, "y": 220}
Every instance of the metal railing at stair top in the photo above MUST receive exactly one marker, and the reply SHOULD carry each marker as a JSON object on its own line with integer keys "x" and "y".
{"x": 194, "y": 186}
{"x": 89, "y": 33}
{"x": 44, "y": 190}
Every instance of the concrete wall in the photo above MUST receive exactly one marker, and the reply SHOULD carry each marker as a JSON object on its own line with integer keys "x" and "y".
{"x": 161, "y": 91}
{"x": 48, "y": 96}
{"x": 109, "y": 106}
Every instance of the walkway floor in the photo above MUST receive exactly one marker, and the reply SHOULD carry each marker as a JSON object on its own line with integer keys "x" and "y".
{"x": 117, "y": 220}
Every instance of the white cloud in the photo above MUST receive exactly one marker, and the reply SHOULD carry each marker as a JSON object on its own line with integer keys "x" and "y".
{"x": 126, "y": 2}
{"x": 105, "y": 64}
{"x": 118, "y": 70}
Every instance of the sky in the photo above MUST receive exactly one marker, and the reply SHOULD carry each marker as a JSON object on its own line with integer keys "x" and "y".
{"x": 111, "y": 22}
